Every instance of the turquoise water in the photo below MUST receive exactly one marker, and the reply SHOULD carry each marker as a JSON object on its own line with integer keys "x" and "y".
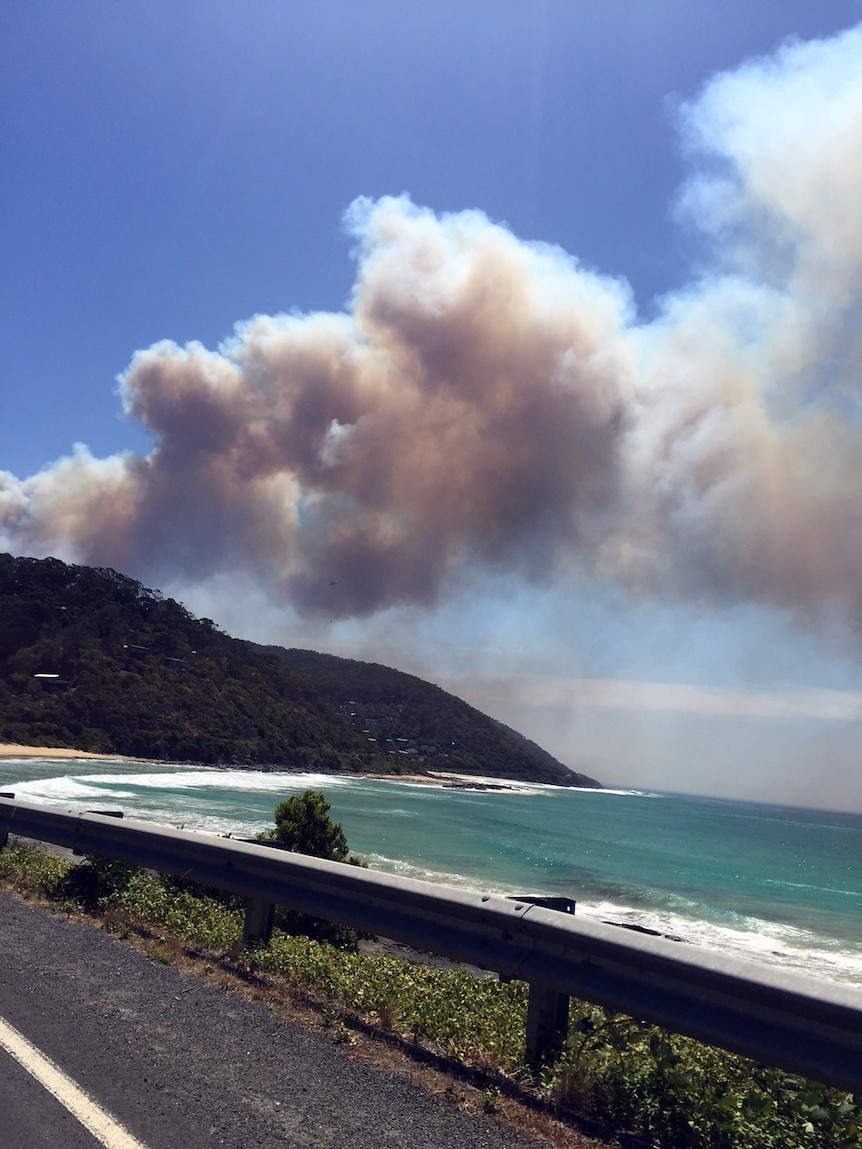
{"x": 782, "y": 885}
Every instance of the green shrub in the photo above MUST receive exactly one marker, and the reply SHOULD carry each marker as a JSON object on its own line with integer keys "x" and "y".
{"x": 474, "y": 1019}
{"x": 32, "y": 870}
{"x": 96, "y": 883}
{"x": 692, "y": 1096}
{"x": 303, "y": 826}
{"x": 196, "y": 919}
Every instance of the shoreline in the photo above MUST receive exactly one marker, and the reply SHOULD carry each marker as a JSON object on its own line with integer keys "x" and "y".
{"x": 445, "y": 779}
{"x": 12, "y": 750}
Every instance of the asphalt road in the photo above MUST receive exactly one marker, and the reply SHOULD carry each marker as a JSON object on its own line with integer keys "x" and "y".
{"x": 184, "y": 1065}
{"x": 31, "y": 1118}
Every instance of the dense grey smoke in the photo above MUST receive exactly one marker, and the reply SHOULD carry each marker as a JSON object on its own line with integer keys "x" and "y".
{"x": 487, "y": 403}
{"x": 470, "y": 408}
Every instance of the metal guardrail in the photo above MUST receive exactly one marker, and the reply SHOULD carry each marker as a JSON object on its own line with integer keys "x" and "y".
{"x": 780, "y": 1019}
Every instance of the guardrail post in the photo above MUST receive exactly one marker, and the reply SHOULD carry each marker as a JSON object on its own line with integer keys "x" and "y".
{"x": 259, "y": 919}
{"x": 4, "y": 837}
{"x": 259, "y": 914}
{"x": 547, "y": 1024}
{"x": 547, "y": 1010}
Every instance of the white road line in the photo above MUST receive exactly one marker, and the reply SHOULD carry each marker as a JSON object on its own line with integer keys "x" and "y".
{"x": 103, "y": 1127}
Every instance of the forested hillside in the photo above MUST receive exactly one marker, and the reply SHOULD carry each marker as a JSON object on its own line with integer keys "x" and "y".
{"x": 408, "y": 716}
{"x": 92, "y": 659}
{"x": 137, "y": 674}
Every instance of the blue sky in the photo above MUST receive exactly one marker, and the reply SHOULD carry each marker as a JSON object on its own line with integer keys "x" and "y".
{"x": 170, "y": 171}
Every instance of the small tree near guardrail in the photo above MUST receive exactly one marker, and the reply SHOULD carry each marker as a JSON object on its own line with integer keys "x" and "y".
{"x": 303, "y": 825}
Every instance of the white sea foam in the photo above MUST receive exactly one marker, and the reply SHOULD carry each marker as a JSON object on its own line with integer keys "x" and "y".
{"x": 504, "y": 786}
{"x": 87, "y": 787}
{"x": 62, "y": 791}
{"x": 808, "y": 886}
{"x": 471, "y": 783}
{"x": 623, "y": 793}
{"x": 214, "y": 824}
{"x": 407, "y": 869}
{"x": 241, "y": 780}
{"x": 768, "y": 943}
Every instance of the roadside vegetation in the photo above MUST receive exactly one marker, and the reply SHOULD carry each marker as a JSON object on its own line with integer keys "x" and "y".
{"x": 615, "y": 1075}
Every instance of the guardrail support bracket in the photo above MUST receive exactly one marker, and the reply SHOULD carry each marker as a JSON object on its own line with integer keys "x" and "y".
{"x": 105, "y": 814}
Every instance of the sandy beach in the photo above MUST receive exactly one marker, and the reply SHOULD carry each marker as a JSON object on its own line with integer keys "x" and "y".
{"x": 10, "y": 750}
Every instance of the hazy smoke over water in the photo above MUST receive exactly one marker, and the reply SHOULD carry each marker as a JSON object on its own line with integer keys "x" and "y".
{"x": 487, "y": 403}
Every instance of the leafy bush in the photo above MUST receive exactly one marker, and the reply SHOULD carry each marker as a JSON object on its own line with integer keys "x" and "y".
{"x": 194, "y": 918}
{"x": 303, "y": 825}
{"x": 692, "y": 1096}
{"x": 32, "y": 870}
{"x": 97, "y": 882}
{"x": 476, "y": 1020}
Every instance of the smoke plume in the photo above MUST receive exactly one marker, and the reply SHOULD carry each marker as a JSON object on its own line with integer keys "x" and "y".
{"x": 489, "y": 404}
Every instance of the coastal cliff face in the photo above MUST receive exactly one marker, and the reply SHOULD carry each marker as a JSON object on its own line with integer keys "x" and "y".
{"x": 92, "y": 659}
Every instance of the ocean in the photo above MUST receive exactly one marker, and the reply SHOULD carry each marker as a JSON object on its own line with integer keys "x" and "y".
{"x": 779, "y": 885}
